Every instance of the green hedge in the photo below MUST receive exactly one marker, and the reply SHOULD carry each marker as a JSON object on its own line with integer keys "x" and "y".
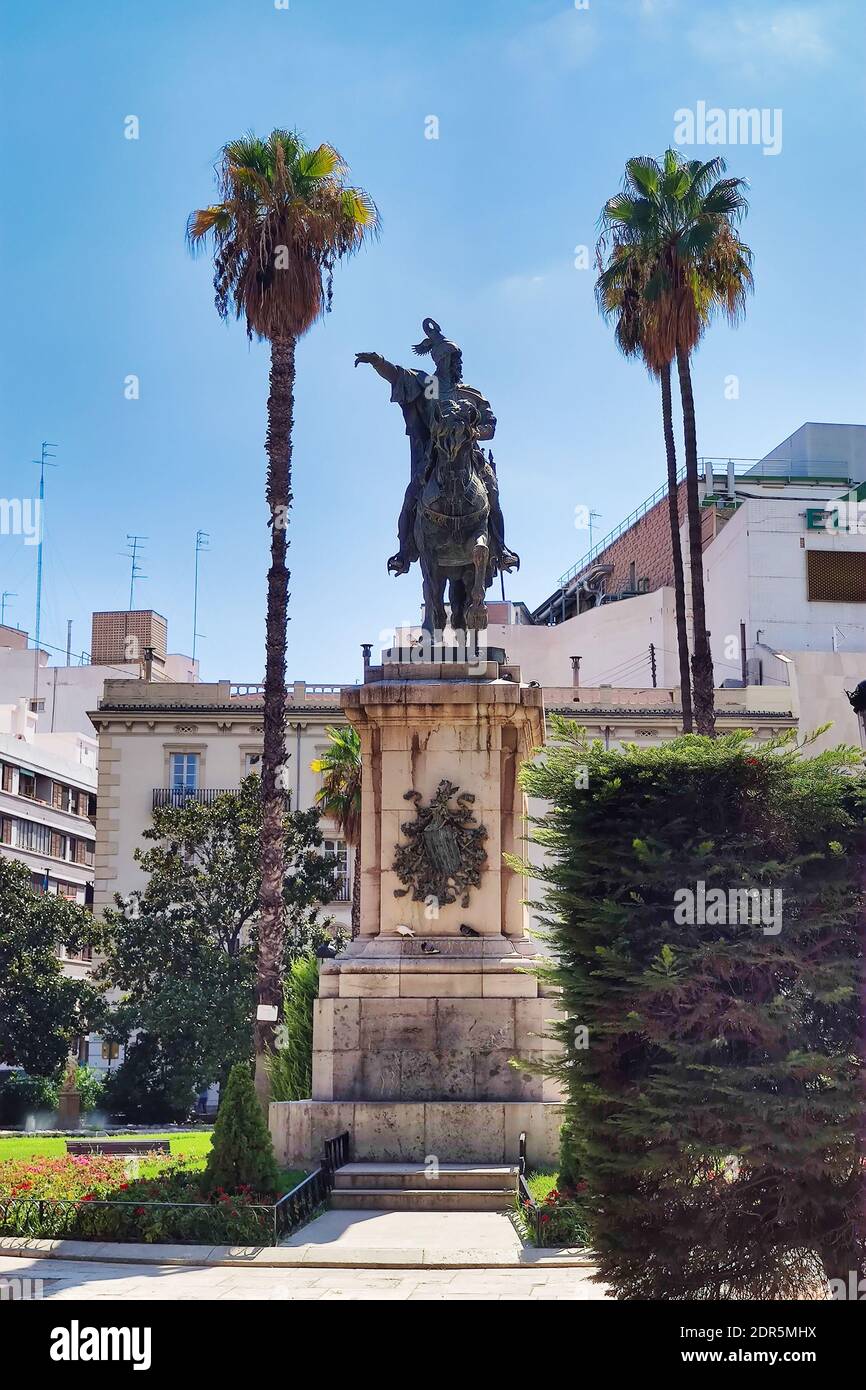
{"x": 716, "y": 1105}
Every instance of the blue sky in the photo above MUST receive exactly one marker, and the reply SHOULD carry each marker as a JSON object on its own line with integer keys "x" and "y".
{"x": 539, "y": 104}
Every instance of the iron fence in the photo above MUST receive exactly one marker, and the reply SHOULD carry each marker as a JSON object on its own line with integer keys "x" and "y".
{"x": 101, "y": 1218}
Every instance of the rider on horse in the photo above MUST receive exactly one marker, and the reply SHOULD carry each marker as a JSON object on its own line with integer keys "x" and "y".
{"x": 427, "y": 402}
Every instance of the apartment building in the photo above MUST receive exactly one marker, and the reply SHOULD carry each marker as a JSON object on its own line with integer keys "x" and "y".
{"x": 162, "y": 744}
{"x": 48, "y": 822}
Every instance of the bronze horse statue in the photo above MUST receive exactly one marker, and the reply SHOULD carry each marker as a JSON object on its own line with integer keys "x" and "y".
{"x": 452, "y": 521}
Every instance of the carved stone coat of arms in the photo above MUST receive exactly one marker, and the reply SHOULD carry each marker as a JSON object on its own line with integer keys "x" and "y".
{"x": 444, "y": 852}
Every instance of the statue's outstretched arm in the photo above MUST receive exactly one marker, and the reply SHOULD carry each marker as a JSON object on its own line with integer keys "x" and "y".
{"x": 379, "y": 364}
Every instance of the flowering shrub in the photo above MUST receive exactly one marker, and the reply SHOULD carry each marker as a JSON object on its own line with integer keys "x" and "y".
{"x": 160, "y": 1197}
{"x": 559, "y": 1218}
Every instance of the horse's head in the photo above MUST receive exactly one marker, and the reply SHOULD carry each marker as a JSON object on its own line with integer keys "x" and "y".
{"x": 454, "y": 434}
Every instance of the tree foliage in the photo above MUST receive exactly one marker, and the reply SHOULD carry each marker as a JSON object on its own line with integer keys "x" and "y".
{"x": 242, "y": 1154}
{"x": 719, "y": 1106}
{"x": 290, "y": 1068}
{"x": 42, "y": 1010}
{"x": 181, "y": 950}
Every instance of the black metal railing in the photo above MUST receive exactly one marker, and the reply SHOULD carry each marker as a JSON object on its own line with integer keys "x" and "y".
{"x": 311, "y": 1194}
{"x": 44, "y": 1217}
{"x": 179, "y": 796}
{"x": 261, "y": 1222}
{"x": 342, "y": 891}
{"x": 529, "y": 1208}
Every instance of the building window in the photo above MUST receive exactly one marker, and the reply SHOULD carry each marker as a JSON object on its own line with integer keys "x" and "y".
{"x": 341, "y": 870}
{"x": 110, "y": 1051}
{"x": 85, "y": 954}
{"x": 184, "y": 772}
{"x": 26, "y": 783}
{"x": 7, "y": 777}
{"x": 37, "y": 706}
{"x": 29, "y": 835}
{"x": 836, "y": 576}
{"x": 252, "y": 763}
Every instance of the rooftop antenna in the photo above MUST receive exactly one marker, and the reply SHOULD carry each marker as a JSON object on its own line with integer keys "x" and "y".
{"x": 46, "y": 460}
{"x": 135, "y": 572}
{"x": 202, "y": 542}
{"x": 593, "y": 516}
{"x": 6, "y": 595}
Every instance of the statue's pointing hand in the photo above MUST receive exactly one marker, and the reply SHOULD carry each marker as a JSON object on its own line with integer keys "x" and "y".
{"x": 367, "y": 357}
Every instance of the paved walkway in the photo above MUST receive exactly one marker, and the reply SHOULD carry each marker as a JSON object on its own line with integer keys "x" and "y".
{"x": 407, "y": 1238}
{"x": 71, "y": 1280}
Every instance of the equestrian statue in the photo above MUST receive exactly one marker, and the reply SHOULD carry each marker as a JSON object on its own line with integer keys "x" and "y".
{"x": 451, "y": 520}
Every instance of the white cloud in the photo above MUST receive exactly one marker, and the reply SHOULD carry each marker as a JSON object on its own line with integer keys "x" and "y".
{"x": 787, "y": 36}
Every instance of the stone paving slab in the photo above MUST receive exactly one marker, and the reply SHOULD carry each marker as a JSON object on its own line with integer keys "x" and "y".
{"x": 338, "y": 1239}
{"x": 76, "y": 1280}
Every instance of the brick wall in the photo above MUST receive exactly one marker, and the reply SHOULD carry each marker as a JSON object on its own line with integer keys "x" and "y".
{"x": 648, "y": 544}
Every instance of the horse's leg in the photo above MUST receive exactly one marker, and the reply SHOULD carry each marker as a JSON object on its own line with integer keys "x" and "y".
{"x": 476, "y": 613}
{"x": 457, "y": 596}
{"x": 434, "y": 602}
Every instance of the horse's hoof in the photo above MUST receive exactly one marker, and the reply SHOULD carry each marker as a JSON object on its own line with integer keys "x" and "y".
{"x": 397, "y": 565}
{"x": 476, "y": 617}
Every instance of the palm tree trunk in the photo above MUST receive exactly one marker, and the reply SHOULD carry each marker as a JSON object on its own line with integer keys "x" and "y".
{"x": 356, "y": 892}
{"x": 702, "y": 661}
{"x": 271, "y": 924}
{"x": 676, "y": 549}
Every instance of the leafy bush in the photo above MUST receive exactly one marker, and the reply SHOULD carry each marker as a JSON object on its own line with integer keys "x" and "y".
{"x": 718, "y": 1109}
{"x": 569, "y": 1159}
{"x": 91, "y": 1088}
{"x": 101, "y": 1197}
{"x": 22, "y": 1095}
{"x": 146, "y": 1088}
{"x": 290, "y": 1068}
{"x": 242, "y": 1155}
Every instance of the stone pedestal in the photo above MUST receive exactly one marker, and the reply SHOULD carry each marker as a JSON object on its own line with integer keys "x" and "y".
{"x": 417, "y": 1026}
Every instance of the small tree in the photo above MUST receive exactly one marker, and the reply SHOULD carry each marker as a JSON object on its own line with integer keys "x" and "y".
{"x": 41, "y": 1010}
{"x": 340, "y": 798}
{"x": 181, "y": 952}
{"x": 291, "y": 1066}
{"x": 242, "y": 1154}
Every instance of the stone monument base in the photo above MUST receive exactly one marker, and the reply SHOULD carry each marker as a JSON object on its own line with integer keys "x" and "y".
{"x": 481, "y": 1131}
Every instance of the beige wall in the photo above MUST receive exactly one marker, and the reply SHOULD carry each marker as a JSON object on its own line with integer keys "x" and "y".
{"x": 134, "y": 752}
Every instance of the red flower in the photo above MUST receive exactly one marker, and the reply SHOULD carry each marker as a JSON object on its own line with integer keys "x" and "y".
{"x": 545, "y": 1216}
{"x": 88, "y": 1197}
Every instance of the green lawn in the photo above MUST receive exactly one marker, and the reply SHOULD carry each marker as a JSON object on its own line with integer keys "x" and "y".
{"x": 196, "y": 1145}
{"x": 540, "y": 1184}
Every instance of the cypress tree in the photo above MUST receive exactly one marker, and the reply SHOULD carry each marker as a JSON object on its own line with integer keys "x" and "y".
{"x": 241, "y": 1152}
{"x": 719, "y": 1107}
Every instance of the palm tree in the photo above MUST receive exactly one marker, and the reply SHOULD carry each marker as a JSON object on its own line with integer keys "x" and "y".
{"x": 284, "y": 217}
{"x": 340, "y": 798}
{"x": 619, "y": 291}
{"x": 679, "y": 220}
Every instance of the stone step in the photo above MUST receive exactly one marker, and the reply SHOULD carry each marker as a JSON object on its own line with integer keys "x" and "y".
{"x": 500, "y": 1177}
{"x": 420, "y": 1199}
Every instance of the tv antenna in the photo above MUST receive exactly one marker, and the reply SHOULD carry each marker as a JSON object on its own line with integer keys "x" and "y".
{"x": 133, "y": 552}
{"x": 202, "y": 542}
{"x": 46, "y": 460}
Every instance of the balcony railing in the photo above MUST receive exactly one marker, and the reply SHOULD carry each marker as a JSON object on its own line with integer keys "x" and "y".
{"x": 179, "y": 796}
{"x": 342, "y": 890}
